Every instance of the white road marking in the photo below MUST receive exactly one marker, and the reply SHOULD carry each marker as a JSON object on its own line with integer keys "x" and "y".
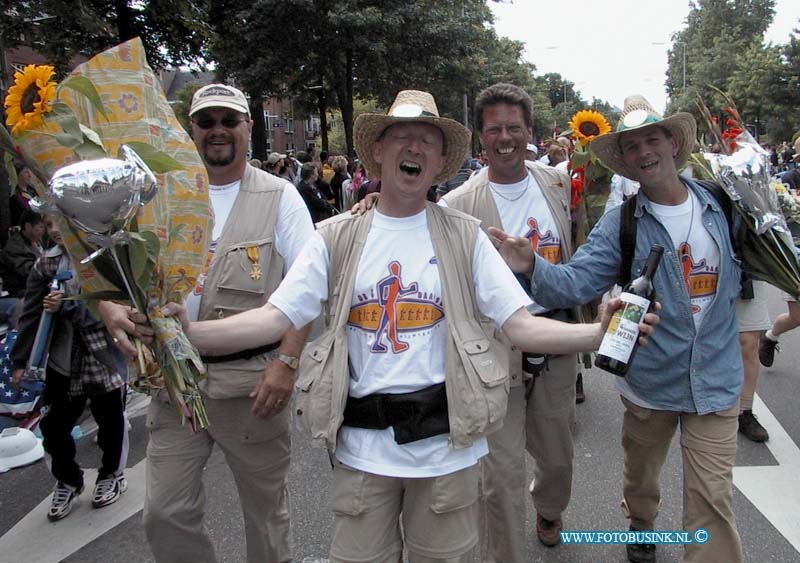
{"x": 50, "y": 542}
{"x": 773, "y": 489}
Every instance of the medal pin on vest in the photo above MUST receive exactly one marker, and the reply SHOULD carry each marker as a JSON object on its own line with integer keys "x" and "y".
{"x": 255, "y": 270}
{"x": 37, "y": 363}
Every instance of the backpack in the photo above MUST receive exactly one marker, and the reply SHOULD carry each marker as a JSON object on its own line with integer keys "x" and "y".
{"x": 628, "y": 224}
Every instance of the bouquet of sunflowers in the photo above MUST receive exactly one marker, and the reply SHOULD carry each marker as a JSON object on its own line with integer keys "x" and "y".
{"x": 136, "y": 226}
{"x": 590, "y": 178}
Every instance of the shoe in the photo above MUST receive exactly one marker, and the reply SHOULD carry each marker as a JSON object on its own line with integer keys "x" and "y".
{"x": 640, "y": 552}
{"x": 766, "y": 350}
{"x": 751, "y": 427}
{"x": 64, "y": 496}
{"x": 579, "y": 394}
{"x": 108, "y": 490}
{"x": 548, "y": 530}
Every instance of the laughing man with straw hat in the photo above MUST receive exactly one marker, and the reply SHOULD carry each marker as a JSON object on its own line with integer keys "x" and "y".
{"x": 403, "y": 386}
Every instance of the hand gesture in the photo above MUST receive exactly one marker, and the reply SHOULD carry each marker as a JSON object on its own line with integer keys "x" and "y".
{"x": 516, "y": 251}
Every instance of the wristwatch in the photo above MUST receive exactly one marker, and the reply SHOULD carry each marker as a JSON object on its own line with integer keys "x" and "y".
{"x": 290, "y": 361}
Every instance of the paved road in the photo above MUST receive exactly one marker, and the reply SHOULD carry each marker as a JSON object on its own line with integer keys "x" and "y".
{"x": 765, "y": 496}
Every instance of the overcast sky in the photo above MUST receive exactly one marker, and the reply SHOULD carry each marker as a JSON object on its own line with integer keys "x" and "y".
{"x": 610, "y": 48}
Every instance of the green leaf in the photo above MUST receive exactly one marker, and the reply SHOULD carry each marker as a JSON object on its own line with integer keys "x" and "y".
{"x": 580, "y": 158}
{"x": 158, "y": 161}
{"x": 89, "y": 151}
{"x": 92, "y": 136}
{"x": 67, "y": 140}
{"x": 143, "y": 254}
{"x": 84, "y": 86}
{"x": 153, "y": 244}
{"x": 67, "y": 120}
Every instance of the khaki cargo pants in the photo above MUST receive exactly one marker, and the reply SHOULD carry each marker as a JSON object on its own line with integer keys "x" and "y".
{"x": 708, "y": 446}
{"x": 257, "y": 453}
{"x": 543, "y": 427}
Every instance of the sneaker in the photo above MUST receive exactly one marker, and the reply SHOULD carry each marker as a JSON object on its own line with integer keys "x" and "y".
{"x": 640, "y": 552}
{"x": 108, "y": 490}
{"x": 580, "y": 396}
{"x": 751, "y": 427}
{"x": 548, "y": 531}
{"x": 64, "y": 496}
{"x": 766, "y": 350}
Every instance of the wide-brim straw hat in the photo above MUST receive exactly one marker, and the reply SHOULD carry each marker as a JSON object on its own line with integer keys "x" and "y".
{"x": 411, "y": 106}
{"x": 638, "y": 114}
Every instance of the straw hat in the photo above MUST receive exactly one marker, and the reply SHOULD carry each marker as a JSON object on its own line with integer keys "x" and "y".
{"x": 411, "y": 106}
{"x": 636, "y": 114}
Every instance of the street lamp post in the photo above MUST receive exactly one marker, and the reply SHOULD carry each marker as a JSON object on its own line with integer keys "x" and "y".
{"x": 684, "y": 66}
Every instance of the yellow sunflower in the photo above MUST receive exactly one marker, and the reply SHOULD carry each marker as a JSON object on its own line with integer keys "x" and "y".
{"x": 588, "y": 124}
{"x": 30, "y": 98}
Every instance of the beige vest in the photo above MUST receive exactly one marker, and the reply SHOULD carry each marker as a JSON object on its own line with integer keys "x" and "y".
{"x": 477, "y": 386}
{"x": 230, "y": 288}
{"x": 474, "y": 197}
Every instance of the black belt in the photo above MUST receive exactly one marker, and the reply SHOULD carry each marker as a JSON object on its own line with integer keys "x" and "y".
{"x": 243, "y": 355}
{"x": 414, "y": 416}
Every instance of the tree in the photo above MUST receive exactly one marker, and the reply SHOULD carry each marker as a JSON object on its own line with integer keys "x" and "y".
{"x": 352, "y": 49}
{"x": 760, "y": 86}
{"x": 173, "y": 33}
{"x": 705, "y": 51}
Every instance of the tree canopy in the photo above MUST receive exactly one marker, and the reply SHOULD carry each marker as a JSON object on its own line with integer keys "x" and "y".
{"x": 173, "y": 33}
{"x": 723, "y": 46}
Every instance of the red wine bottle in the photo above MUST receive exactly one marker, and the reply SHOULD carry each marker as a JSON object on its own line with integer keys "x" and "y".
{"x": 621, "y": 339}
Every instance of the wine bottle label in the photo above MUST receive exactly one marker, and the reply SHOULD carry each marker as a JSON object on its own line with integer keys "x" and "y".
{"x": 623, "y": 330}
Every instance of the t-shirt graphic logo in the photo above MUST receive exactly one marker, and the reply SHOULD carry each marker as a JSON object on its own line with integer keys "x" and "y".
{"x": 544, "y": 244}
{"x": 390, "y": 289}
{"x": 700, "y": 279}
{"x": 395, "y": 311}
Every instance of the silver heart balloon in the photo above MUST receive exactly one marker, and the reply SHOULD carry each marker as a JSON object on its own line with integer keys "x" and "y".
{"x": 96, "y": 195}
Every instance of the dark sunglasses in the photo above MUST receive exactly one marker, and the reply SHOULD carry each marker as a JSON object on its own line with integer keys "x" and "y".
{"x": 208, "y": 122}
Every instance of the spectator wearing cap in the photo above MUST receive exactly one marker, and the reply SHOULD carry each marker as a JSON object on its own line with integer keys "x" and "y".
{"x": 261, "y": 224}
{"x": 276, "y": 165}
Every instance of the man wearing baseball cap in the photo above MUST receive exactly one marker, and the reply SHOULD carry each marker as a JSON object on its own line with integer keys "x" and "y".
{"x": 403, "y": 386}
{"x": 691, "y": 374}
{"x": 261, "y": 223}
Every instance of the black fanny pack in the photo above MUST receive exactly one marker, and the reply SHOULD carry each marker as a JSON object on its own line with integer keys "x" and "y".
{"x": 413, "y": 416}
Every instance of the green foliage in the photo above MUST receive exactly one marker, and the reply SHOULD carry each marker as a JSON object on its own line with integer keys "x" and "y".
{"x": 158, "y": 161}
{"x": 84, "y": 86}
{"x": 181, "y": 106}
{"x": 173, "y": 33}
{"x": 722, "y": 46}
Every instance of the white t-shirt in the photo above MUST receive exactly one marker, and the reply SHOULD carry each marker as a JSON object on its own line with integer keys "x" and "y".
{"x": 524, "y": 212}
{"x": 292, "y": 230}
{"x": 699, "y": 259}
{"x": 396, "y": 332}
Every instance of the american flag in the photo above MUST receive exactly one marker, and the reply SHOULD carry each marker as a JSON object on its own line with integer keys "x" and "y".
{"x": 15, "y": 402}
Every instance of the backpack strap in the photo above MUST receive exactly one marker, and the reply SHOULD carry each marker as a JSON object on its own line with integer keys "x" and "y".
{"x": 627, "y": 239}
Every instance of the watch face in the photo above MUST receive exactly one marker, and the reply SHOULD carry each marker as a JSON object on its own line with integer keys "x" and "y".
{"x": 289, "y": 361}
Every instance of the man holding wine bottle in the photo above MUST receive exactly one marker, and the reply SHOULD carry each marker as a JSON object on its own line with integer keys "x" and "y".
{"x": 691, "y": 374}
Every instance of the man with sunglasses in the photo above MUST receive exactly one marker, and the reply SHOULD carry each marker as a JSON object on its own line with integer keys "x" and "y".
{"x": 261, "y": 223}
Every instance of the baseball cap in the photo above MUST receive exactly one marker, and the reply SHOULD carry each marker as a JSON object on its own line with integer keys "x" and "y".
{"x": 219, "y": 95}
{"x": 274, "y": 157}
